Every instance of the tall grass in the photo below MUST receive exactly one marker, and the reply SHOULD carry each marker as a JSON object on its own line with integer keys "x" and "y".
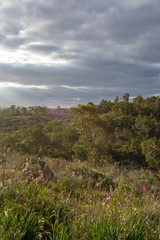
{"x": 79, "y": 204}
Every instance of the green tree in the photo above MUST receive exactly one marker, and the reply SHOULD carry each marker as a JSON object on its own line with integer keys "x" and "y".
{"x": 151, "y": 150}
{"x": 95, "y": 133}
{"x": 62, "y": 139}
{"x": 24, "y": 111}
{"x": 116, "y": 100}
{"x": 126, "y": 97}
{"x": 12, "y": 110}
{"x": 104, "y": 106}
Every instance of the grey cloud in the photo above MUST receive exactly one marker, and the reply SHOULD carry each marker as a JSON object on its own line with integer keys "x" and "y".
{"x": 50, "y": 97}
{"x": 13, "y": 42}
{"x": 106, "y": 44}
{"x": 97, "y": 73}
{"x": 62, "y": 96}
{"x": 9, "y": 27}
{"x": 44, "y": 49}
{"x": 126, "y": 25}
{"x": 147, "y": 48}
{"x": 2, "y": 37}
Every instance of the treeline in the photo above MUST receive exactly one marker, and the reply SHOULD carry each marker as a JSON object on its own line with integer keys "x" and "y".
{"x": 23, "y": 111}
{"x": 122, "y": 131}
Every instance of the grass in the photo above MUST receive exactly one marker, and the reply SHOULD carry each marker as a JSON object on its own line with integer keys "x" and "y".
{"x": 80, "y": 203}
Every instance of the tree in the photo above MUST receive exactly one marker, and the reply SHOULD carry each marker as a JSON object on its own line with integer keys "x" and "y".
{"x": 104, "y": 106}
{"x": 24, "y": 111}
{"x": 62, "y": 139}
{"x": 116, "y": 100}
{"x": 151, "y": 150}
{"x": 126, "y": 97}
{"x": 145, "y": 126}
{"x": 12, "y": 110}
{"x": 95, "y": 133}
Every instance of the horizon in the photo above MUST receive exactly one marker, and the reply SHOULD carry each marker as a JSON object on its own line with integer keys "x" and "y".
{"x": 131, "y": 99}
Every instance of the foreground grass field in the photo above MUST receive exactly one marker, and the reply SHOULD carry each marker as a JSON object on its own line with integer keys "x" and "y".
{"x": 80, "y": 202}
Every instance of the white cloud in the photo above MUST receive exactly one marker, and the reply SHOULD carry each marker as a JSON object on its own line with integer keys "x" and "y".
{"x": 17, "y": 85}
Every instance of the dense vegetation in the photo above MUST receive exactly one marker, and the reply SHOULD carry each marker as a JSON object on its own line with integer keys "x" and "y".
{"x": 105, "y": 161}
{"x": 120, "y": 131}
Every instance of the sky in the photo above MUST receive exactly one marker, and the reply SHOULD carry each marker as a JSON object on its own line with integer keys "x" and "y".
{"x": 67, "y": 52}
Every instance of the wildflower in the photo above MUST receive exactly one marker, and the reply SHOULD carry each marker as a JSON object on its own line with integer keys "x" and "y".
{"x": 96, "y": 184}
{"x": 108, "y": 199}
{"x": 88, "y": 183}
{"x": 143, "y": 188}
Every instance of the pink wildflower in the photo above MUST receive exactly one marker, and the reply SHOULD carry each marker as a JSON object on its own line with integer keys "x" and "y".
{"x": 95, "y": 185}
{"x": 108, "y": 199}
{"x": 143, "y": 188}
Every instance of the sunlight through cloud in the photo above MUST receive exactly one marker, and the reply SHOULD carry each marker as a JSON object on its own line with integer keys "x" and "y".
{"x": 17, "y": 85}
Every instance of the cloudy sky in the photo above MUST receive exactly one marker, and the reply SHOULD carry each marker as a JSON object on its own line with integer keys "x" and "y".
{"x": 66, "y": 52}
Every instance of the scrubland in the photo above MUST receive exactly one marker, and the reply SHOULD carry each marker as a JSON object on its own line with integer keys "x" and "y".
{"x": 102, "y": 174}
